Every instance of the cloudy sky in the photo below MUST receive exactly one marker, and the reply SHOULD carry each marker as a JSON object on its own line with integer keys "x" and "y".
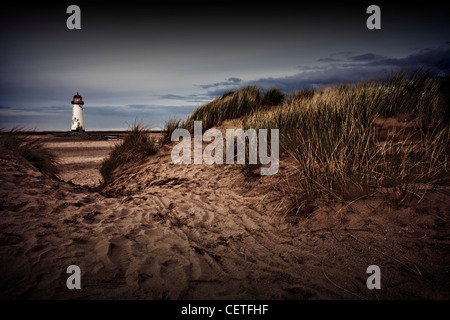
{"x": 140, "y": 61}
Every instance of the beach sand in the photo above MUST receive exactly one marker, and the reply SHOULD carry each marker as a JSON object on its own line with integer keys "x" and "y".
{"x": 166, "y": 231}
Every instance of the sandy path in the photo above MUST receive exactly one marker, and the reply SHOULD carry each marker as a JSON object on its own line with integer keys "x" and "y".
{"x": 150, "y": 245}
{"x": 161, "y": 230}
{"x": 80, "y": 160}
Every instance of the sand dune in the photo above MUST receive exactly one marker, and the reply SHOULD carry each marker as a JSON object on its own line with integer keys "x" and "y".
{"x": 166, "y": 231}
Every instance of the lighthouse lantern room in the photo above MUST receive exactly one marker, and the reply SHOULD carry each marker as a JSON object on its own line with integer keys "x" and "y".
{"x": 77, "y": 114}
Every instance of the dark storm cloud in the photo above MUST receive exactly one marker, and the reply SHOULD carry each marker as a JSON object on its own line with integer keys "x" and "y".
{"x": 360, "y": 67}
{"x": 328, "y": 60}
{"x": 227, "y": 83}
{"x": 312, "y": 68}
{"x": 350, "y": 69}
{"x": 436, "y": 59}
{"x": 193, "y": 98}
{"x": 173, "y": 97}
{"x": 332, "y": 75}
{"x": 367, "y": 57}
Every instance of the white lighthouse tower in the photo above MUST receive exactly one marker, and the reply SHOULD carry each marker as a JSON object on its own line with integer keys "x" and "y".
{"x": 77, "y": 114}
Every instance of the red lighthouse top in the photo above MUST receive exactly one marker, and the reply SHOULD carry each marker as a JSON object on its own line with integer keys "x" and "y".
{"x": 77, "y": 99}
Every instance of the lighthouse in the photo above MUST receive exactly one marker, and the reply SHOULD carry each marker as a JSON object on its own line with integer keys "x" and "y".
{"x": 77, "y": 113}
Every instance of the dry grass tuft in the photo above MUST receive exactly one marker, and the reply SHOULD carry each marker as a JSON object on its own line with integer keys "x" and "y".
{"x": 31, "y": 149}
{"x": 136, "y": 146}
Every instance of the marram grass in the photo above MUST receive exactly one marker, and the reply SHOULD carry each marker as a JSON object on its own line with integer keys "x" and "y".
{"x": 331, "y": 135}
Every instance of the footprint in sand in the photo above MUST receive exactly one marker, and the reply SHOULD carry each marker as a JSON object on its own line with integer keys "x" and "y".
{"x": 9, "y": 239}
{"x": 91, "y": 217}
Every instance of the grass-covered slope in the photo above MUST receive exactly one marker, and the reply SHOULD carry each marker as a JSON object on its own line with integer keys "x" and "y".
{"x": 334, "y": 135}
{"x": 31, "y": 149}
{"x": 233, "y": 104}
